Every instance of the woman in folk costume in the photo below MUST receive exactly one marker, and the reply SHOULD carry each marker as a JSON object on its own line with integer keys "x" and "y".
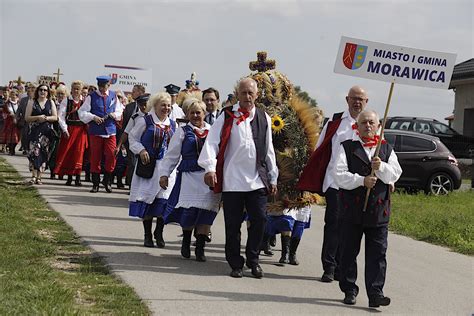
{"x": 40, "y": 113}
{"x": 191, "y": 203}
{"x": 10, "y": 130}
{"x": 149, "y": 139}
{"x": 73, "y": 141}
{"x": 60, "y": 96}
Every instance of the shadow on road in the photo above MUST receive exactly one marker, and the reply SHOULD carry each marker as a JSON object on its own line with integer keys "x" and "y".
{"x": 252, "y": 297}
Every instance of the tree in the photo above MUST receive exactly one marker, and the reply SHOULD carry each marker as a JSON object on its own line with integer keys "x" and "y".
{"x": 305, "y": 96}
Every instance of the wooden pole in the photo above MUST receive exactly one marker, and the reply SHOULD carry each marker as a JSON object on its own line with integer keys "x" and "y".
{"x": 379, "y": 143}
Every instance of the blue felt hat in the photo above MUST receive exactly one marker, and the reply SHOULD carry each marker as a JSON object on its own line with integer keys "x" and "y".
{"x": 172, "y": 89}
{"x": 103, "y": 79}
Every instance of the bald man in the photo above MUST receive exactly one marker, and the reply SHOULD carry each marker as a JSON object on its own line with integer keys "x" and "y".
{"x": 338, "y": 129}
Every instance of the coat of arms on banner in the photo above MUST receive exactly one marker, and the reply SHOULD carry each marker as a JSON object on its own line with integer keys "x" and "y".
{"x": 354, "y": 55}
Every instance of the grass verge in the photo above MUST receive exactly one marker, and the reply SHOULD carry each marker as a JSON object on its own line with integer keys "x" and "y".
{"x": 443, "y": 220}
{"x": 44, "y": 267}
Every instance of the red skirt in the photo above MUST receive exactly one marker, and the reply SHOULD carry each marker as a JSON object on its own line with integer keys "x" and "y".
{"x": 70, "y": 154}
{"x": 10, "y": 133}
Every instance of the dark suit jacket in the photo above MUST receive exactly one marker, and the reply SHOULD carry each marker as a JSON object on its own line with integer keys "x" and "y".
{"x": 130, "y": 109}
{"x": 21, "y": 112}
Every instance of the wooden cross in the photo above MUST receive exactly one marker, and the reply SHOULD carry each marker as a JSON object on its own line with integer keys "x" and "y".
{"x": 57, "y": 75}
{"x": 262, "y": 64}
{"x": 19, "y": 82}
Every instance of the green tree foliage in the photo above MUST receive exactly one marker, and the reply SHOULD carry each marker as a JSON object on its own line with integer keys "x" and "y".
{"x": 305, "y": 96}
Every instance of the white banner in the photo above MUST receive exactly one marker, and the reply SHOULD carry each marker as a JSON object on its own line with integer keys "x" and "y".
{"x": 404, "y": 65}
{"x": 124, "y": 77}
{"x": 45, "y": 79}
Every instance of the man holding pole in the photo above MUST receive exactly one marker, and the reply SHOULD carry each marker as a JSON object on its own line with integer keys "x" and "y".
{"x": 360, "y": 167}
{"x": 318, "y": 175}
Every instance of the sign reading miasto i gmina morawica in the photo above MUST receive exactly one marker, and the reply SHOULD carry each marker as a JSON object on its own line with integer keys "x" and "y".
{"x": 398, "y": 64}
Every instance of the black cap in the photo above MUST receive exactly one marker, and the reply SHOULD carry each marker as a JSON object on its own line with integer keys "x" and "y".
{"x": 143, "y": 98}
{"x": 172, "y": 89}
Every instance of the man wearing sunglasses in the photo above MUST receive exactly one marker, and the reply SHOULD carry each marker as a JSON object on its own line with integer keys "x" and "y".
{"x": 101, "y": 110}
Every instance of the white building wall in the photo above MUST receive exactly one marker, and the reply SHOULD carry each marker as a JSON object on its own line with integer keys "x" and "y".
{"x": 464, "y": 99}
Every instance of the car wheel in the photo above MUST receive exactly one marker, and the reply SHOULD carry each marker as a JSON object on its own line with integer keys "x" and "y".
{"x": 440, "y": 183}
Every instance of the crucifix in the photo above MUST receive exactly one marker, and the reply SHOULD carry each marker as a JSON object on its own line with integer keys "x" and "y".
{"x": 57, "y": 75}
{"x": 19, "y": 82}
{"x": 262, "y": 64}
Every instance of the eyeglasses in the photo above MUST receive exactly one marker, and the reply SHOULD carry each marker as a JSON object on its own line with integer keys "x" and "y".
{"x": 358, "y": 99}
{"x": 43, "y": 90}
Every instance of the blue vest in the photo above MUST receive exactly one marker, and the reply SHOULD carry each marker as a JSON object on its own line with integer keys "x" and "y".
{"x": 156, "y": 139}
{"x": 101, "y": 110}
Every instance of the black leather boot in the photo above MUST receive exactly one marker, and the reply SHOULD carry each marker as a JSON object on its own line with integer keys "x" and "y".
{"x": 199, "y": 250}
{"x": 158, "y": 233}
{"x": 77, "y": 182}
{"x": 148, "y": 241}
{"x": 95, "y": 183}
{"x": 293, "y": 246}
{"x": 266, "y": 245}
{"x": 186, "y": 244}
{"x": 69, "y": 180}
{"x": 106, "y": 182}
{"x": 285, "y": 249}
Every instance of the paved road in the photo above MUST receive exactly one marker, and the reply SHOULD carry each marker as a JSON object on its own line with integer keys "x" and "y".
{"x": 421, "y": 278}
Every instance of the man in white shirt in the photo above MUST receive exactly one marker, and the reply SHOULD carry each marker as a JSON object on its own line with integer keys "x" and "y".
{"x": 210, "y": 96}
{"x": 176, "y": 111}
{"x": 101, "y": 110}
{"x": 318, "y": 175}
{"x": 354, "y": 163}
{"x": 245, "y": 171}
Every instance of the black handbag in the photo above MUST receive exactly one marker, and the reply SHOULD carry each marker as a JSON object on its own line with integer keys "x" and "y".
{"x": 145, "y": 171}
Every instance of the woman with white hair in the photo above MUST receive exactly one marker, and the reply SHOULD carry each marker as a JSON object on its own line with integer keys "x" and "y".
{"x": 149, "y": 140}
{"x": 191, "y": 203}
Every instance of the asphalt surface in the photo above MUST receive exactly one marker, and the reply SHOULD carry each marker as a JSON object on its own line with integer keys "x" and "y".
{"x": 421, "y": 278}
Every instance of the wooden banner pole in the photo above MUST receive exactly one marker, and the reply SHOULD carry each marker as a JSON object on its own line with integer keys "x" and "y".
{"x": 379, "y": 143}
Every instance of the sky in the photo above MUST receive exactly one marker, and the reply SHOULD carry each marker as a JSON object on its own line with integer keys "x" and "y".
{"x": 217, "y": 40}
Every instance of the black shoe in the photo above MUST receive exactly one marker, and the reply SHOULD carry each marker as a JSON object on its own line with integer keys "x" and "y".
{"x": 273, "y": 241}
{"x": 236, "y": 273}
{"x": 69, "y": 181}
{"x": 257, "y": 271}
{"x": 285, "y": 249}
{"x": 379, "y": 301}
{"x": 106, "y": 182}
{"x": 158, "y": 233}
{"x": 265, "y": 247}
{"x": 199, "y": 251}
{"x": 209, "y": 237}
{"x": 327, "y": 277}
{"x": 148, "y": 241}
{"x": 95, "y": 188}
{"x": 186, "y": 244}
{"x": 77, "y": 182}
{"x": 293, "y": 247}
{"x": 350, "y": 298}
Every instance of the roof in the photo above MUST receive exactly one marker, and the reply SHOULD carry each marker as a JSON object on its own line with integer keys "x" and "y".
{"x": 463, "y": 71}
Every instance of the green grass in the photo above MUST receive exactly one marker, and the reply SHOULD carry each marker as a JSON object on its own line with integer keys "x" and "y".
{"x": 44, "y": 267}
{"x": 443, "y": 220}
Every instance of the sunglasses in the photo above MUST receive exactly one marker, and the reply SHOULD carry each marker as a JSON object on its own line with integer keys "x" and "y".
{"x": 43, "y": 90}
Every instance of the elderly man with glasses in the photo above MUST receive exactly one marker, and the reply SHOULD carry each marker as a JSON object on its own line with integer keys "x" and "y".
{"x": 318, "y": 176}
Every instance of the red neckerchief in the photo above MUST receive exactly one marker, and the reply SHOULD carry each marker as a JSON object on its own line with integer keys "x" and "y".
{"x": 199, "y": 134}
{"x": 244, "y": 114}
{"x": 368, "y": 141}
